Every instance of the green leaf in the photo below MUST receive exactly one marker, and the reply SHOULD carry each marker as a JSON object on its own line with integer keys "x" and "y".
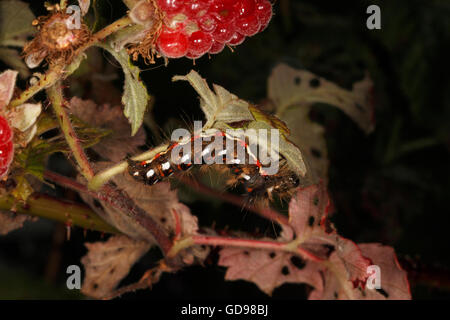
{"x": 291, "y": 88}
{"x": 23, "y": 189}
{"x": 135, "y": 97}
{"x": 222, "y": 108}
{"x": 218, "y": 105}
{"x": 32, "y": 158}
{"x": 71, "y": 68}
{"x": 15, "y": 23}
{"x": 287, "y": 149}
{"x": 294, "y": 92}
{"x": 12, "y": 58}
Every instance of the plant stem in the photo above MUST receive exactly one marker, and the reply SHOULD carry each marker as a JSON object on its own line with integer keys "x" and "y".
{"x": 104, "y": 176}
{"x": 44, "y": 206}
{"x": 57, "y": 72}
{"x": 241, "y": 243}
{"x": 120, "y": 201}
{"x": 105, "y": 32}
{"x": 56, "y": 98}
{"x": 45, "y": 81}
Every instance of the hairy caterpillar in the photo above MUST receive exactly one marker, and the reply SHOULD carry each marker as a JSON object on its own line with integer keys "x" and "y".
{"x": 226, "y": 152}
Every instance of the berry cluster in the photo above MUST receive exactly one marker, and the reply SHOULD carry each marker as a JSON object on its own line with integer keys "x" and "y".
{"x": 6, "y": 146}
{"x": 192, "y": 28}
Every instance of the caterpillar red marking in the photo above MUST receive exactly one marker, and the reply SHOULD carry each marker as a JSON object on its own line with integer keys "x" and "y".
{"x": 246, "y": 168}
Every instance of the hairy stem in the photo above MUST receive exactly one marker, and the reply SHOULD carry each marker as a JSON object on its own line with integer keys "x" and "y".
{"x": 120, "y": 201}
{"x": 56, "y": 98}
{"x": 57, "y": 72}
{"x": 44, "y": 206}
{"x": 104, "y": 176}
{"x": 106, "y": 31}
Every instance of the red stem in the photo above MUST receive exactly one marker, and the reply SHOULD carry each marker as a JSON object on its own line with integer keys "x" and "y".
{"x": 250, "y": 243}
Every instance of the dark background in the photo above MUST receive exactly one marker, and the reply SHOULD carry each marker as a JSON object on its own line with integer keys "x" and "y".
{"x": 391, "y": 186}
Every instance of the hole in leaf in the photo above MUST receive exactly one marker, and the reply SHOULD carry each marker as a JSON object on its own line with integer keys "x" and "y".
{"x": 382, "y": 292}
{"x": 311, "y": 221}
{"x": 316, "y": 153}
{"x": 272, "y": 255}
{"x": 314, "y": 83}
{"x": 297, "y": 80}
{"x": 298, "y": 262}
{"x": 97, "y": 204}
{"x": 285, "y": 271}
{"x": 359, "y": 107}
{"x": 316, "y": 201}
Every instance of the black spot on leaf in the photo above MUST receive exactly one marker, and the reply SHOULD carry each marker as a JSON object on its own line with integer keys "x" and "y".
{"x": 314, "y": 83}
{"x": 336, "y": 295}
{"x": 330, "y": 249}
{"x": 316, "y": 153}
{"x": 382, "y": 292}
{"x": 311, "y": 221}
{"x": 316, "y": 201}
{"x": 297, "y": 80}
{"x": 272, "y": 255}
{"x": 246, "y": 253}
{"x": 97, "y": 204}
{"x": 298, "y": 262}
{"x": 359, "y": 107}
{"x": 285, "y": 271}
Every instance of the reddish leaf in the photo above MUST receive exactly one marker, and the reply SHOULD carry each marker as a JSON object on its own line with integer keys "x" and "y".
{"x": 267, "y": 269}
{"x": 10, "y": 221}
{"x": 394, "y": 284}
{"x": 119, "y": 143}
{"x": 339, "y": 266}
{"x": 107, "y": 263}
{"x": 7, "y": 83}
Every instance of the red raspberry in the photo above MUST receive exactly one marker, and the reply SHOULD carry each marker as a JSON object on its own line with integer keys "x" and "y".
{"x": 6, "y": 154}
{"x": 6, "y": 146}
{"x": 248, "y": 25}
{"x": 264, "y": 13}
{"x": 171, "y": 6}
{"x": 223, "y": 32}
{"x": 199, "y": 43}
{"x": 172, "y": 44}
{"x": 192, "y": 28}
{"x": 245, "y": 7}
{"x": 207, "y": 23}
{"x": 194, "y": 56}
{"x": 196, "y": 8}
{"x": 216, "y": 47}
{"x": 223, "y": 10}
{"x": 236, "y": 39}
{"x": 5, "y": 131}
